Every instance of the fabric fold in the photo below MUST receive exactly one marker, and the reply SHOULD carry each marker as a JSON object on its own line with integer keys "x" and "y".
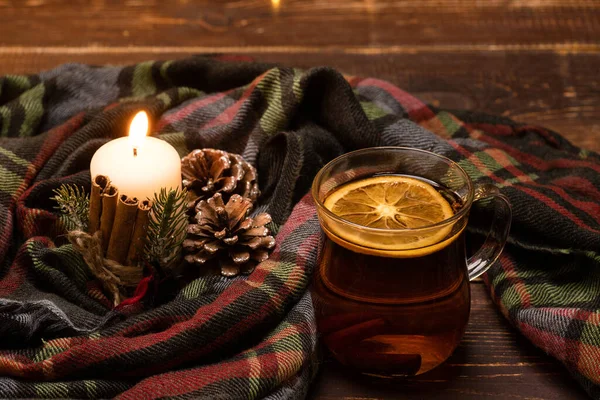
{"x": 254, "y": 337}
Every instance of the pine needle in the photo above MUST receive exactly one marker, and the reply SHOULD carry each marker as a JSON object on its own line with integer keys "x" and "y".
{"x": 166, "y": 229}
{"x": 73, "y": 204}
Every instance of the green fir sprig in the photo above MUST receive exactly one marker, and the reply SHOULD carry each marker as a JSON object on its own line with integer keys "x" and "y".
{"x": 166, "y": 229}
{"x": 73, "y": 204}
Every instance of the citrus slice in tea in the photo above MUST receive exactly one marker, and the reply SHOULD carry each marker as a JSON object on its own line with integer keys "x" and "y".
{"x": 391, "y": 202}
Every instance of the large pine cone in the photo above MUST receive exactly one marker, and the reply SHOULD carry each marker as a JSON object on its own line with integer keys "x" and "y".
{"x": 209, "y": 171}
{"x": 223, "y": 233}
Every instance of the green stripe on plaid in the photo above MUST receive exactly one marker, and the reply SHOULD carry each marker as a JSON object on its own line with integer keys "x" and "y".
{"x": 5, "y": 115}
{"x": 56, "y": 390}
{"x": 14, "y": 158}
{"x": 273, "y": 117}
{"x": 143, "y": 83}
{"x": 372, "y": 111}
{"x": 11, "y": 182}
{"x": 14, "y": 85}
{"x": 32, "y": 103}
{"x": 297, "y": 89}
{"x": 164, "y": 68}
{"x": 449, "y": 122}
{"x": 194, "y": 289}
{"x": 47, "y": 352}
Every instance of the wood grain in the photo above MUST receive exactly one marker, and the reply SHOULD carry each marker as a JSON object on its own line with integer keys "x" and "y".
{"x": 310, "y": 23}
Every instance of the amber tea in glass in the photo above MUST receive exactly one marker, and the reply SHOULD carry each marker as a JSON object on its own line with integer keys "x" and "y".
{"x": 391, "y": 291}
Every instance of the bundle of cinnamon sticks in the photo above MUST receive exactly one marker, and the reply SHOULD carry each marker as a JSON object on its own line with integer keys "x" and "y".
{"x": 122, "y": 221}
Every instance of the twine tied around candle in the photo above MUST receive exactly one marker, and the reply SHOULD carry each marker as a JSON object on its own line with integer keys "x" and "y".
{"x": 114, "y": 276}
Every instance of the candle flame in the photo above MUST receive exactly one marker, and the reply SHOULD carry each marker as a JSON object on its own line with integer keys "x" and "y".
{"x": 138, "y": 130}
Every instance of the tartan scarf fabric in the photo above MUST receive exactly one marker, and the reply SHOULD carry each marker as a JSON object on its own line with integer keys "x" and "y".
{"x": 255, "y": 337}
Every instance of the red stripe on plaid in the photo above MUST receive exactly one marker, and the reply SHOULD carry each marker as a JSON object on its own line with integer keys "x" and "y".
{"x": 566, "y": 350}
{"x": 508, "y": 130}
{"x": 55, "y": 138}
{"x": 540, "y": 131}
{"x": 36, "y": 222}
{"x": 167, "y": 119}
{"x": 94, "y": 289}
{"x": 203, "y": 315}
{"x": 416, "y": 109}
{"x": 6, "y": 234}
{"x": 195, "y": 379}
{"x": 16, "y": 274}
{"x": 590, "y": 317}
{"x": 111, "y": 106}
{"x": 497, "y": 130}
{"x": 588, "y": 363}
{"x": 530, "y": 159}
{"x": 303, "y": 211}
{"x": 508, "y": 265}
{"x": 15, "y": 362}
{"x": 578, "y": 185}
{"x": 590, "y": 208}
{"x": 549, "y": 342}
{"x": 353, "y": 81}
{"x": 536, "y": 195}
{"x": 227, "y": 116}
{"x": 557, "y": 207}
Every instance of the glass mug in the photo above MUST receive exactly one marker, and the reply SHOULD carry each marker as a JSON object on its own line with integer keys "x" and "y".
{"x": 389, "y": 311}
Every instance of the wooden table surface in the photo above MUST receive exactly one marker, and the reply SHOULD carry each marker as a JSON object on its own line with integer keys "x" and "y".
{"x": 532, "y": 60}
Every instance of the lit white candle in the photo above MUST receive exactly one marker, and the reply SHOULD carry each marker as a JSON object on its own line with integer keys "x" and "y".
{"x": 137, "y": 165}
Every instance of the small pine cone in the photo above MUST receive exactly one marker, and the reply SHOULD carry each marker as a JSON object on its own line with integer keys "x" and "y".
{"x": 224, "y": 233}
{"x": 209, "y": 171}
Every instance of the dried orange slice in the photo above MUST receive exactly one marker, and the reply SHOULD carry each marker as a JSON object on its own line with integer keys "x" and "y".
{"x": 391, "y": 202}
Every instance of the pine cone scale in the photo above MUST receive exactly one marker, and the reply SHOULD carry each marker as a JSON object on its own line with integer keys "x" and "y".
{"x": 230, "y": 269}
{"x": 240, "y": 257}
{"x": 262, "y": 219}
{"x": 260, "y": 256}
{"x": 218, "y": 166}
{"x": 209, "y": 171}
{"x": 229, "y": 235}
{"x": 246, "y": 224}
{"x": 237, "y": 209}
{"x": 230, "y": 241}
{"x": 229, "y": 183}
{"x": 257, "y": 231}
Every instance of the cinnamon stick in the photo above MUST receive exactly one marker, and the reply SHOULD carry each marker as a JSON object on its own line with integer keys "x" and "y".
{"x": 99, "y": 184}
{"x": 138, "y": 238}
{"x": 352, "y": 335}
{"x": 120, "y": 235}
{"x": 383, "y": 363}
{"x": 109, "y": 205}
{"x": 336, "y": 322}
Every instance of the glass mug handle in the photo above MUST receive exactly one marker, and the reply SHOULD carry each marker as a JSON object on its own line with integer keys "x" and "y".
{"x": 482, "y": 260}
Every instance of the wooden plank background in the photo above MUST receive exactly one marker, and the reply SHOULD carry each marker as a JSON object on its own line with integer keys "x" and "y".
{"x": 533, "y": 60}
{"x": 537, "y": 61}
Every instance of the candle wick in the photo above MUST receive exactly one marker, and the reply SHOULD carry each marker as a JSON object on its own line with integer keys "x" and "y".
{"x": 135, "y": 151}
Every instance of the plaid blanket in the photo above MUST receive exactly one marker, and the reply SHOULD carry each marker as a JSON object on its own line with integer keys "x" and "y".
{"x": 255, "y": 337}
